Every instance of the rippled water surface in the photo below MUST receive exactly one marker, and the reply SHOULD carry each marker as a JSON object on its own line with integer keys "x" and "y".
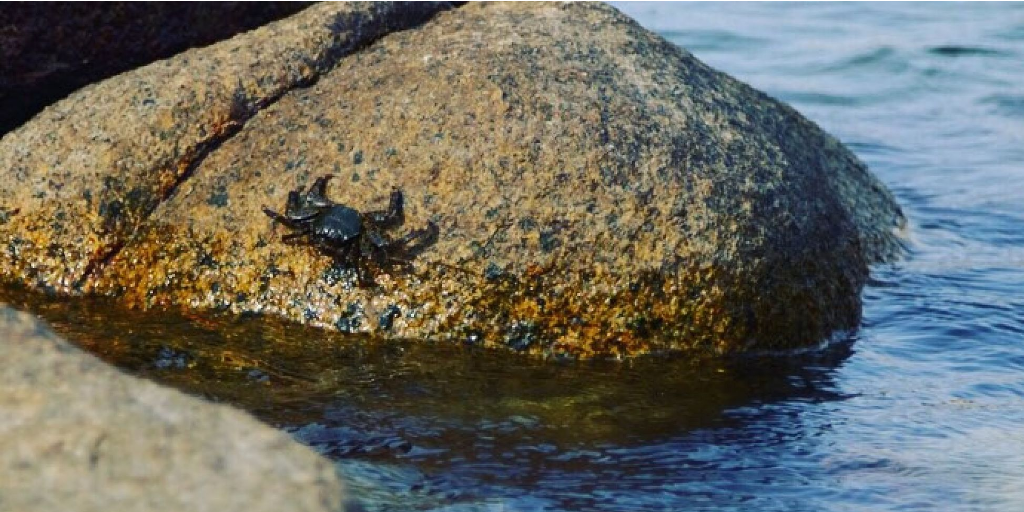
{"x": 923, "y": 410}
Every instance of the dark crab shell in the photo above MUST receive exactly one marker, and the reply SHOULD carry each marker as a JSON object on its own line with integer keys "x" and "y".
{"x": 338, "y": 224}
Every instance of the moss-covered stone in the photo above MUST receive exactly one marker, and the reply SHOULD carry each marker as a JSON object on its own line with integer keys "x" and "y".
{"x": 599, "y": 192}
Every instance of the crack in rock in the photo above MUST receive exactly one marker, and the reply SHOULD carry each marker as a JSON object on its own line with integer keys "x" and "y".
{"x": 146, "y": 131}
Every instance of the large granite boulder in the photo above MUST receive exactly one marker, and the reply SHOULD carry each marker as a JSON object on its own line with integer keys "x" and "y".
{"x": 598, "y": 191}
{"x": 77, "y": 434}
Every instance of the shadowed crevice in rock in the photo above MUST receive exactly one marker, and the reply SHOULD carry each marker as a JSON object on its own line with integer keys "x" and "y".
{"x": 240, "y": 114}
{"x": 243, "y": 109}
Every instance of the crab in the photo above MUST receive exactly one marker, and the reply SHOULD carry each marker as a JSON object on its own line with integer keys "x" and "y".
{"x": 356, "y": 240}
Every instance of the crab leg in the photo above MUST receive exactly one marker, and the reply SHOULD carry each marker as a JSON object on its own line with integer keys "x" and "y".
{"x": 291, "y": 223}
{"x": 418, "y": 240}
{"x": 317, "y": 193}
{"x": 395, "y": 214}
{"x": 344, "y": 255}
{"x": 290, "y": 238}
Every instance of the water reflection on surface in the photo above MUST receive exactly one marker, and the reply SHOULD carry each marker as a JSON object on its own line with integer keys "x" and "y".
{"x": 290, "y": 375}
{"x": 448, "y": 423}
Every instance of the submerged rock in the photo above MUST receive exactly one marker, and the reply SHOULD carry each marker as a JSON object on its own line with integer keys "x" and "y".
{"x": 598, "y": 190}
{"x": 76, "y": 434}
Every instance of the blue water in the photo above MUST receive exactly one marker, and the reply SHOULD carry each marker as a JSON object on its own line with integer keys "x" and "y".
{"x": 925, "y": 409}
{"x": 922, "y": 410}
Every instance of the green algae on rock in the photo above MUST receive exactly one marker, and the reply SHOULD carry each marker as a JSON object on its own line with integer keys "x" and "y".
{"x": 599, "y": 192}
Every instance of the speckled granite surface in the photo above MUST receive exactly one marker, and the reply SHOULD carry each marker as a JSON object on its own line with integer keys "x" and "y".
{"x": 599, "y": 192}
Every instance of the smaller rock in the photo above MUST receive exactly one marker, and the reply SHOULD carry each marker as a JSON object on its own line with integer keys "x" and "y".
{"x": 76, "y": 434}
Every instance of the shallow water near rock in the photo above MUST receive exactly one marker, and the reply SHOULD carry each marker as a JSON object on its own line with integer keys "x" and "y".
{"x": 921, "y": 410}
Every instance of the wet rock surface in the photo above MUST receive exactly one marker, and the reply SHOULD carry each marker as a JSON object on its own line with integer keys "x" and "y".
{"x": 88, "y": 171}
{"x": 598, "y": 191}
{"x": 48, "y": 49}
{"x": 76, "y": 434}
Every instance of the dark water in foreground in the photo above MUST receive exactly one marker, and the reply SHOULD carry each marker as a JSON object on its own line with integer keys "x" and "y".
{"x": 923, "y": 410}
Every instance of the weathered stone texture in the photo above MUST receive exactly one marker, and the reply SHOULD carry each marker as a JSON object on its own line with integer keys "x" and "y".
{"x": 599, "y": 192}
{"x": 87, "y": 171}
{"x": 76, "y": 434}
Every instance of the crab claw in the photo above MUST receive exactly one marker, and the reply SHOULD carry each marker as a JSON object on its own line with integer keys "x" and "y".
{"x": 317, "y": 194}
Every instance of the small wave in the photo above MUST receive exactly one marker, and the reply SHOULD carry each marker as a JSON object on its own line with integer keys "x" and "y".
{"x": 713, "y": 40}
{"x": 965, "y": 51}
{"x": 818, "y": 98}
{"x": 872, "y": 148}
{"x": 1010, "y": 105}
{"x": 883, "y": 58}
{"x": 837, "y": 345}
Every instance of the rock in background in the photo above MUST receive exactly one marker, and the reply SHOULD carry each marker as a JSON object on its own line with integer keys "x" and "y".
{"x": 49, "y": 49}
{"x": 599, "y": 191}
{"x": 76, "y": 434}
